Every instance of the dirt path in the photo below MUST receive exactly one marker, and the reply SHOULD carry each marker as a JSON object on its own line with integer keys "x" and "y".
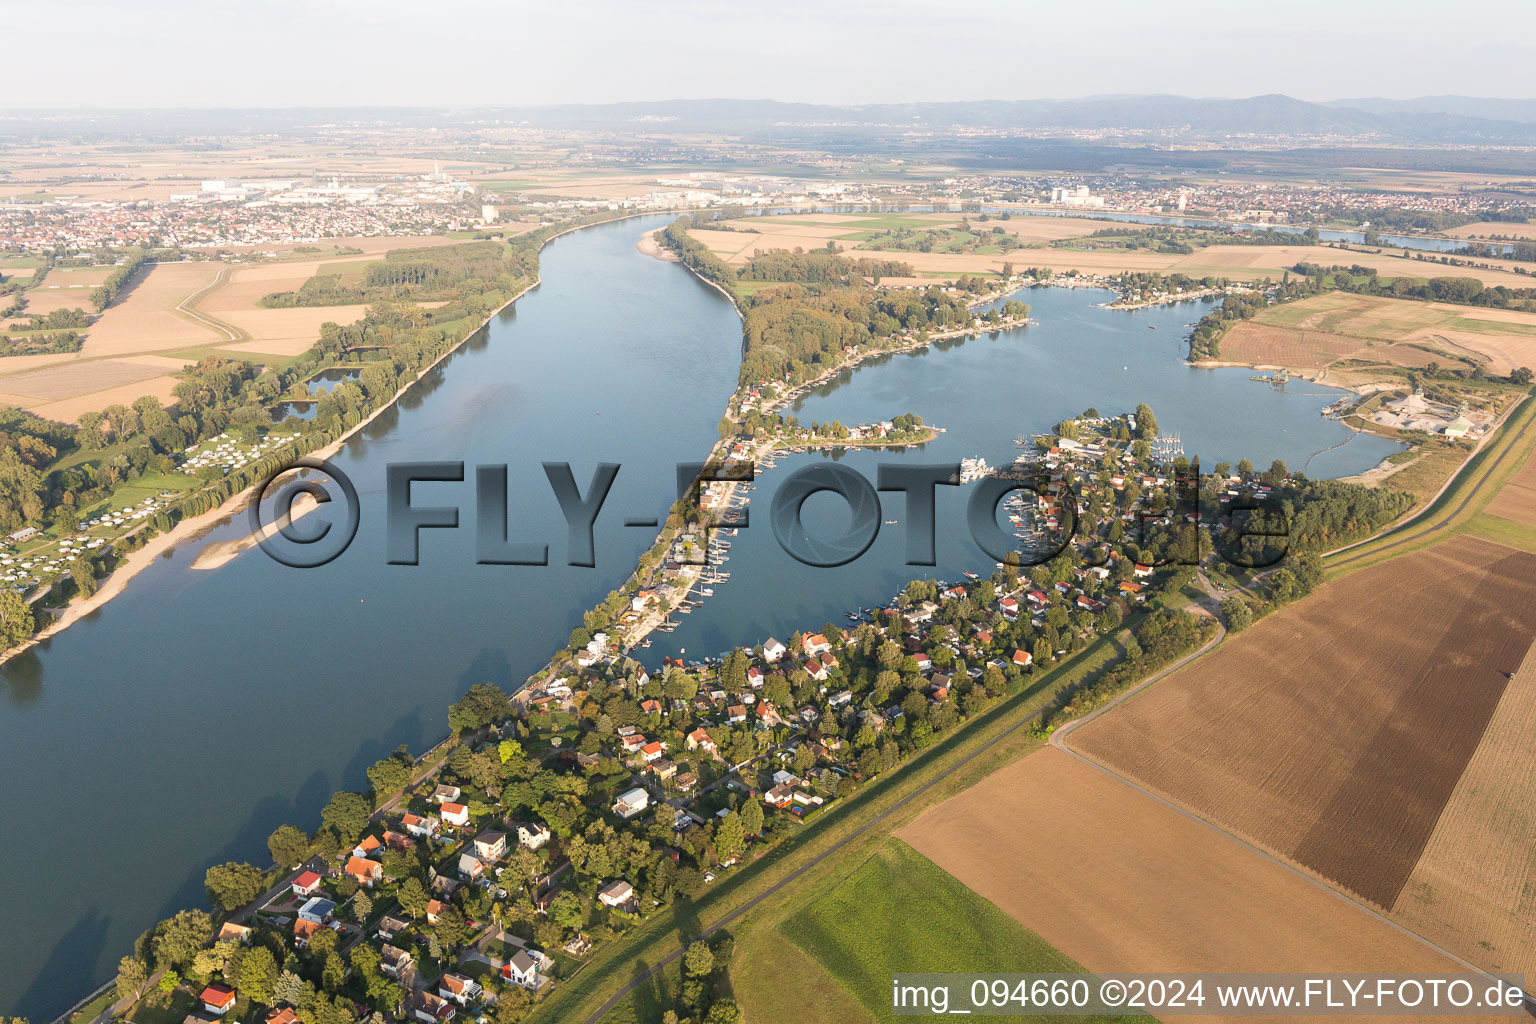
{"x": 187, "y": 307}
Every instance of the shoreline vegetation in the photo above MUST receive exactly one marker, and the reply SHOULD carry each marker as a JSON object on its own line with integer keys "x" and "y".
{"x": 1140, "y": 624}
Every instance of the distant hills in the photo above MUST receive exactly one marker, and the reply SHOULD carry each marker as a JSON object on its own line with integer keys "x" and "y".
{"x": 1430, "y": 120}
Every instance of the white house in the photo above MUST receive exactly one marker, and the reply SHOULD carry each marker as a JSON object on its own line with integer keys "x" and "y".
{"x": 522, "y": 970}
{"x": 773, "y": 650}
{"x": 631, "y": 803}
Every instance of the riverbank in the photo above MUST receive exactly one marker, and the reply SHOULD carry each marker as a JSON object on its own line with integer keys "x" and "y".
{"x": 191, "y": 529}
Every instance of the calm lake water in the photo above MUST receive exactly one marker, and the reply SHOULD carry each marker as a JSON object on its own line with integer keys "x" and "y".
{"x": 182, "y": 723}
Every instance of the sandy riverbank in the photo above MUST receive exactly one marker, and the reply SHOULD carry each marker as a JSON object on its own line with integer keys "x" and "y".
{"x": 648, "y": 245}
{"x": 222, "y": 552}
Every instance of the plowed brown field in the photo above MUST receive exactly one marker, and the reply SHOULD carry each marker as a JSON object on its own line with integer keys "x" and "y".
{"x": 1120, "y": 882}
{"x": 1474, "y": 890}
{"x": 1334, "y": 731}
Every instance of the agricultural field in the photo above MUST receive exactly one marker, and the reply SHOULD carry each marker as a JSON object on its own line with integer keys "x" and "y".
{"x": 1314, "y": 332}
{"x": 1238, "y": 262}
{"x": 275, "y": 332}
{"x": 1121, "y": 882}
{"x": 1334, "y": 731}
{"x": 1474, "y": 889}
{"x": 1516, "y": 500}
{"x": 898, "y": 912}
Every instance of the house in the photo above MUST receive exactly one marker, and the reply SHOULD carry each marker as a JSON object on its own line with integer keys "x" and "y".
{"x": 619, "y": 895}
{"x": 664, "y": 769}
{"x": 685, "y": 782}
{"x": 768, "y": 715}
{"x": 780, "y": 796}
{"x": 446, "y": 795}
{"x": 434, "y": 907}
{"x": 284, "y": 1015}
{"x": 457, "y": 987}
{"x": 395, "y": 961}
{"x": 231, "y": 932}
{"x": 419, "y": 826}
{"x": 367, "y": 846}
{"x": 491, "y": 845}
{"x": 365, "y": 871}
{"x": 318, "y": 910}
{"x": 736, "y": 714}
{"x": 924, "y": 663}
{"x": 1141, "y": 570}
{"x": 816, "y": 645}
{"x": 1009, "y": 607}
{"x": 217, "y": 999}
{"x": 840, "y": 698}
{"x": 456, "y": 814}
{"x": 755, "y": 677}
{"x": 631, "y": 803}
{"x": 390, "y": 926}
{"x": 302, "y": 930}
{"x": 773, "y": 650}
{"x": 633, "y": 742}
{"x": 522, "y": 970}
{"x": 398, "y": 840}
{"x": 431, "y": 1009}
{"x": 306, "y": 884}
{"x": 532, "y": 834}
{"x": 699, "y": 740}
{"x": 1022, "y": 658}
{"x": 652, "y": 751}
{"x": 470, "y": 868}
{"x": 816, "y": 670}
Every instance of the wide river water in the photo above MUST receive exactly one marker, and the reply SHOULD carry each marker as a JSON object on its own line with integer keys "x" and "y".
{"x": 182, "y": 723}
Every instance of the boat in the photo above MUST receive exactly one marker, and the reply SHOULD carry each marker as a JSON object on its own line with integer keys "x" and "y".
{"x": 972, "y": 576}
{"x": 890, "y": 522}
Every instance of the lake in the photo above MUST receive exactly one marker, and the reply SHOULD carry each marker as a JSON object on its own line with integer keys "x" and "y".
{"x": 183, "y": 722}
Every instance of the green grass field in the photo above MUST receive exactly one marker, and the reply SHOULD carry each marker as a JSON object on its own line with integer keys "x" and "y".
{"x": 900, "y": 913}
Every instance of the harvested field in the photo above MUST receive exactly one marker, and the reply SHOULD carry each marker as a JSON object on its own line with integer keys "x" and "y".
{"x": 1263, "y": 345}
{"x": 1334, "y": 731}
{"x": 71, "y": 409}
{"x": 1120, "y": 882}
{"x": 1490, "y": 228}
{"x": 144, "y": 319}
{"x": 1516, "y": 500}
{"x": 44, "y": 300}
{"x": 1474, "y": 889}
{"x": 77, "y": 378}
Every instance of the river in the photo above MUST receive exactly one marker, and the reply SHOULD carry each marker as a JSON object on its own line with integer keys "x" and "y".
{"x": 179, "y": 725}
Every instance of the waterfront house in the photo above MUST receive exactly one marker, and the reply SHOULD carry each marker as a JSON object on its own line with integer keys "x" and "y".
{"x": 815, "y": 644}
{"x": 217, "y": 999}
{"x": 231, "y": 932}
{"x": 772, "y": 650}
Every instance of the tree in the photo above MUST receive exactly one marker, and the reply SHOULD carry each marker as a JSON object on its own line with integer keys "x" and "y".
{"x": 83, "y": 576}
{"x": 177, "y": 939}
{"x": 16, "y": 622}
{"x": 289, "y": 988}
{"x": 132, "y": 976}
{"x": 413, "y": 898}
{"x": 258, "y": 974}
{"x": 391, "y": 774}
{"x": 752, "y": 818}
{"x": 723, "y": 1012}
{"x": 288, "y": 847}
{"x": 565, "y": 910}
{"x": 698, "y": 960}
{"x": 1237, "y": 613}
{"x": 347, "y": 813}
{"x": 232, "y": 885}
{"x": 729, "y": 838}
{"x": 1521, "y": 375}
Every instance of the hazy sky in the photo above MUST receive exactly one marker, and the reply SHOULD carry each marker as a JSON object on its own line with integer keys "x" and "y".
{"x": 475, "y": 52}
